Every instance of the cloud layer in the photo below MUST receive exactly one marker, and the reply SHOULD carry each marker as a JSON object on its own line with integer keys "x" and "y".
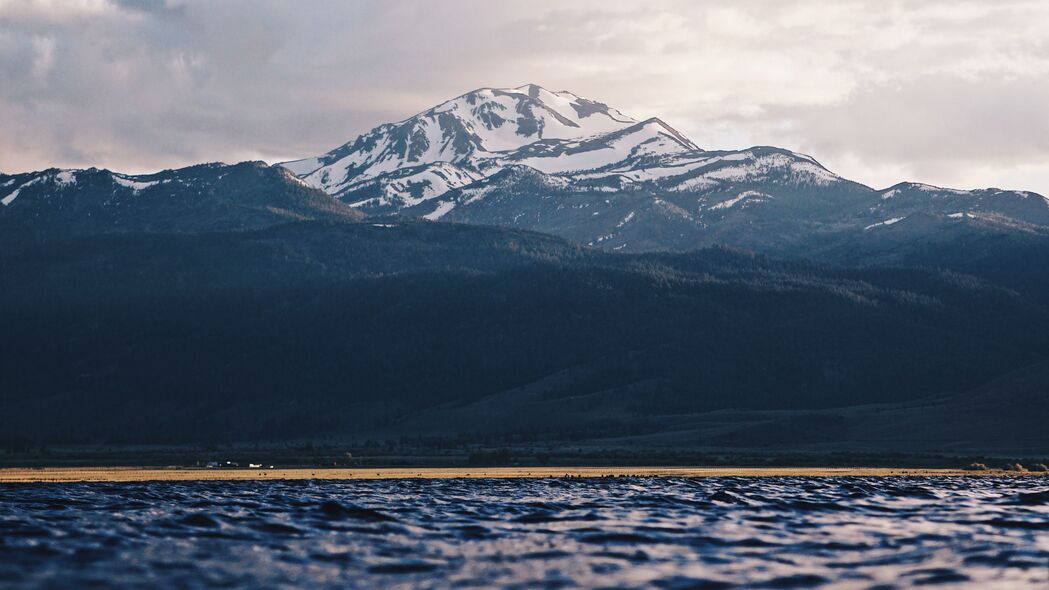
{"x": 950, "y": 93}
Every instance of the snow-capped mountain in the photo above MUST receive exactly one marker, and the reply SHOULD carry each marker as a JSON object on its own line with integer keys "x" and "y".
{"x": 466, "y": 139}
{"x": 555, "y": 162}
{"x": 584, "y": 144}
{"x": 453, "y": 143}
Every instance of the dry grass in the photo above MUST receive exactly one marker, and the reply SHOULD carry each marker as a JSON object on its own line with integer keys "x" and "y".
{"x": 130, "y": 474}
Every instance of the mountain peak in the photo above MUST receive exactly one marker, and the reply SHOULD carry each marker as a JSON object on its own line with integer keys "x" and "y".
{"x": 473, "y": 131}
{"x": 532, "y": 90}
{"x": 661, "y": 126}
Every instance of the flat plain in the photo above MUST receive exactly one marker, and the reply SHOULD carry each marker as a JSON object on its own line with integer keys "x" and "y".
{"x": 134, "y": 474}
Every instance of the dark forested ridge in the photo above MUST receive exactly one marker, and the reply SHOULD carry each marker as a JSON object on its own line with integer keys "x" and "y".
{"x": 57, "y": 204}
{"x": 318, "y": 328}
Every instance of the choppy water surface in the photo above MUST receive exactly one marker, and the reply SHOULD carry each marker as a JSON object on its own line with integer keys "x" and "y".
{"x": 616, "y": 532}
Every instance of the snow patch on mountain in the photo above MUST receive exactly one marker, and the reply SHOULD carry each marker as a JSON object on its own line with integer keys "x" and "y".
{"x": 442, "y": 209}
{"x": 884, "y": 223}
{"x": 649, "y": 139}
{"x": 11, "y": 197}
{"x": 936, "y": 189}
{"x": 133, "y": 184}
{"x": 65, "y": 178}
{"x": 7, "y": 200}
{"x": 692, "y": 172}
{"x": 428, "y": 183}
{"x": 764, "y": 166}
{"x": 743, "y": 196}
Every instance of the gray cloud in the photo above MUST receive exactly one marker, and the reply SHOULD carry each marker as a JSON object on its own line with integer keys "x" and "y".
{"x": 933, "y": 127}
{"x": 942, "y": 92}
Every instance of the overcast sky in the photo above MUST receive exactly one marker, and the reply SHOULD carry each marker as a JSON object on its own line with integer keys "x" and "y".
{"x": 950, "y": 93}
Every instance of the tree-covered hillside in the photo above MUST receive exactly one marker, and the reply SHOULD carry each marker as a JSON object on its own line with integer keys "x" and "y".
{"x": 332, "y": 327}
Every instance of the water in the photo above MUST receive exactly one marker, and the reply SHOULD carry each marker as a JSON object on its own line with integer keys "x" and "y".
{"x": 527, "y": 533}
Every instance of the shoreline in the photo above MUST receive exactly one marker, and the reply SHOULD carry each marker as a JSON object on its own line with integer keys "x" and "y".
{"x": 142, "y": 474}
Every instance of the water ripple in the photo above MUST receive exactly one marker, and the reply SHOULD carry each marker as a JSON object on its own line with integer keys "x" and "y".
{"x": 573, "y": 532}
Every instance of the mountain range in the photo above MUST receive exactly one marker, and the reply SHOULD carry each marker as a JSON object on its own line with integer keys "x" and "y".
{"x": 521, "y": 263}
{"x": 558, "y": 163}
{"x": 545, "y": 161}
